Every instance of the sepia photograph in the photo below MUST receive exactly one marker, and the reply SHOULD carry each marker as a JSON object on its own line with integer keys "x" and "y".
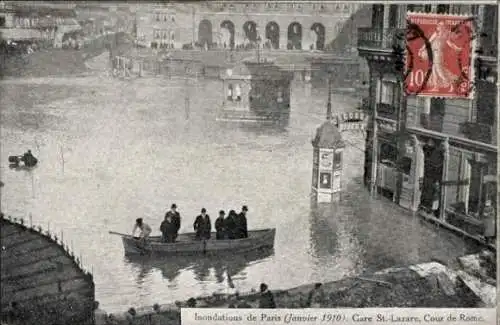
{"x": 160, "y": 156}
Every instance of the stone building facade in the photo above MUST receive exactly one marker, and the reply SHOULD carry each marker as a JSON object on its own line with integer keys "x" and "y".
{"x": 280, "y": 25}
{"x": 426, "y": 148}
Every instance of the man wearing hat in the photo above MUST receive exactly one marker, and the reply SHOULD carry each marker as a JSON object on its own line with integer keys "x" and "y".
{"x": 241, "y": 223}
{"x": 219, "y": 226}
{"x": 202, "y": 225}
{"x": 489, "y": 217}
{"x": 175, "y": 218}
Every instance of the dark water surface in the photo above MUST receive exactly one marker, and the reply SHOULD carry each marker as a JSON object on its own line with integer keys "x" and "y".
{"x": 111, "y": 151}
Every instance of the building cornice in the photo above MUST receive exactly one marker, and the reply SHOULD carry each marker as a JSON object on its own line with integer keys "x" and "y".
{"x": 461, "y": 142}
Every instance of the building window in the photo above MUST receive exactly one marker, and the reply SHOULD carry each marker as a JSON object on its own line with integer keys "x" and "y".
{"x": 427, "y": 8}
{"x": 393, "y": 16}
{"x": 157, "y": 16}
{"x": 2, "y": 21}
{"x": 387, "y": 92}
{"x": 443, "y": 9}
{"x": 234, "y": 92}
{"x": 378, "y": 16}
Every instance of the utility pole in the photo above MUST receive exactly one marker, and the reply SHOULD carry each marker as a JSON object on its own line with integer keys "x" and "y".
{"x": 329, "y": 104}
{"x": 194, "y": 24}
{"x": 375, "y": 153}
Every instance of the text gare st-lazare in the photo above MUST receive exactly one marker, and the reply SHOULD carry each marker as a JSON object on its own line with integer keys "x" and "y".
{"x": 391, "y": 318}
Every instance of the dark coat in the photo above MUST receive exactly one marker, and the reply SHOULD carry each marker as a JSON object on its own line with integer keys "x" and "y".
{"x": 176, "y": 219}
{"x": 203, "y": 227}
{"x": 266, "y": 300}
{"x": 219, "y": 228}
{"x": 230, "y": 227}
{"x": 241, "y": 226}
{"x": 168, "y": 230}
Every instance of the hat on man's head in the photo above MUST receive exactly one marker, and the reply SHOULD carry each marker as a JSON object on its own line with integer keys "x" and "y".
{"x": 174, "y": 206}
{"x": 244, "y": 208}
{"x": 138, "y": 220}
{"x": 221, "y": 212}
{"x": 203, "y": 210}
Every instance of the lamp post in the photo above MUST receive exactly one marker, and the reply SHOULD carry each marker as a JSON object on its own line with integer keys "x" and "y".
{"x": 258, "y": 48}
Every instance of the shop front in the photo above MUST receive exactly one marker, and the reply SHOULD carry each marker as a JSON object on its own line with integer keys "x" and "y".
{"x": 471, "y": 190}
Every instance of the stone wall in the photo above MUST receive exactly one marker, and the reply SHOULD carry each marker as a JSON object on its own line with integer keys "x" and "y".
{"x": 43, "y": 277}
{"x": 431, "y": 285}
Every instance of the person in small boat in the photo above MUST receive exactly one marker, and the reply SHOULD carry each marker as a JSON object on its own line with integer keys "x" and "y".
{"x": 230, "y": 225}
{"x": 145, "y": 230}
{"x": 241, "y": 223}
{"x": 219, "y": 226}
{"x": 266, "y": 299}
{"x": 175, "y": 217}
{"x": 29, "y": 159}
{"x": 202, "y": 225}
{"x": 167, "y": 229}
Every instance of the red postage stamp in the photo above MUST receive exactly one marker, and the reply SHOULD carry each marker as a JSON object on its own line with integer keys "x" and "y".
{"x": 439, "y": 51}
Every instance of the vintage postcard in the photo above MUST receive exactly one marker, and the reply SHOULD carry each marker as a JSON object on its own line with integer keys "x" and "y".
{"x": 249, "y": 162}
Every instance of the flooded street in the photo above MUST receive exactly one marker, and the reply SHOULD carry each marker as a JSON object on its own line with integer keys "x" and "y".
{"x": 111, "y": 151}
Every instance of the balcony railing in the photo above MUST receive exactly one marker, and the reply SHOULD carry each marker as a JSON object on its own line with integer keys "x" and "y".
{"x": 477, "y": 132}
{"x": 387, "y": 111}
{"x": 383, "y": 39}
{"x": 431, "y": 122}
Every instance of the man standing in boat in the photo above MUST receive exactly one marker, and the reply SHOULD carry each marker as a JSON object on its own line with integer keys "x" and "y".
{"x": 144, "y": 228}
{"x": 219, "y": 226}
{"x": 175, "y": 218}
{"x": 241, "y": 223}
{"x": 167, "y": 229}
{"x": 202, "y": 225}
{"x": 230, "y": 225}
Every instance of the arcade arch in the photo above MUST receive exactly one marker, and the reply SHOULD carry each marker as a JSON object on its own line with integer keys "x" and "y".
{"x": 294, "y": 36}
{"x": 228, "y": 29}
{"x": 319, "y": 31}
{"x": 273, "y": 35}
{"x": 205, "y": 33}
{"x": 250, "y": 29}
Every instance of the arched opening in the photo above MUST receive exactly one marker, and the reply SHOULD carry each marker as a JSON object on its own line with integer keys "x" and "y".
{"x": 319, "y": 31}
{"x": 250, "y": 29}
{"x": 228, "y": 34}
{"x": 273, "y": 35}
{"x": 294, "y": 36}
{"x": 205, "y": 33}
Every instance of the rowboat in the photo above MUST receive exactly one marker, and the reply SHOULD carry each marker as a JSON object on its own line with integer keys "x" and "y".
{"x": 187, "y": 244}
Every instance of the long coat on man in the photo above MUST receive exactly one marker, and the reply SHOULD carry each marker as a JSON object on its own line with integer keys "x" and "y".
{"x": 203, "y": 227}
{"x": 230, "y": 226}
{"x": 168, "y": 230}
{"x": 176, "y": 221}
{"x": 241, "y": 226}
{"x": 266, "y": 300}
{"x": 219, "y": 228}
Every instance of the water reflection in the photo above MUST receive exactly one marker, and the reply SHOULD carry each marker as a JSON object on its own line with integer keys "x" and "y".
{"x": 225, "y": 267}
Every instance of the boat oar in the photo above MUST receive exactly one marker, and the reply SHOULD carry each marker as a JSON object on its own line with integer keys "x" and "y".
{"x": 118, "y": 233}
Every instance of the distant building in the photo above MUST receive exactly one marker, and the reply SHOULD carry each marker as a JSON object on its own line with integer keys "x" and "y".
{"x": 31, "y": 21}
{"x": 223, "y": 24}
{"x": 423, "y": 149}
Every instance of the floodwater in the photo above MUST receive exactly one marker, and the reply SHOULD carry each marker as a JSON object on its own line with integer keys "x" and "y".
{"x": 113, "y": 150}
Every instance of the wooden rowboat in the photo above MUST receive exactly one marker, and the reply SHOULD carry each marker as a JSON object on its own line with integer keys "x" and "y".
{"x": 187, "y": 244}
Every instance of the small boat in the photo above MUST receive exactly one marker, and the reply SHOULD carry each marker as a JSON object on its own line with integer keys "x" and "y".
{"x": 18, "y": 162}
{"x": 187, "y": 244}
